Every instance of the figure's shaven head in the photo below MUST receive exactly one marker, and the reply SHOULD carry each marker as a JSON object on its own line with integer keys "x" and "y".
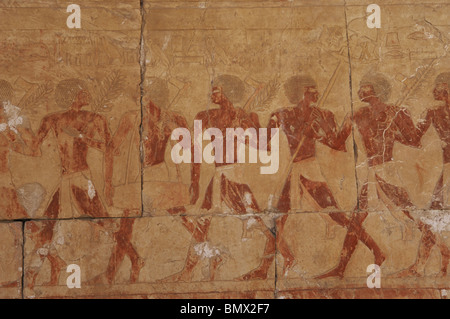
{"x": 67, "y": 90}
{"x": 443, "y": 78}
{"x": 380, "y": 84}
{"x": 232, "y": 86}
{"x": 158, "y": 92}
{"x": 294, "y": 87}
{"x": 6, "y": 91}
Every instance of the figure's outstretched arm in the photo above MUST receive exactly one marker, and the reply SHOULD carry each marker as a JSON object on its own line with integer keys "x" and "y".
{"x": 195, "y": 168}
{"x": 328, "y": 132}
{"x": 26, "y": 142}
{"x": 407, "y": 133}
{"x": 424, "y": 124}
{"x": 104, "y": 145}
{"x": 125, "y": 127}
{"x": 274, "y": 122}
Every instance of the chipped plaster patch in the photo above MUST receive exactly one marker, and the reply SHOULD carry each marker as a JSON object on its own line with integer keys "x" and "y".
{"x": 205, "y": 251}
{"x": 438, "y": 220}
{"x": 14, "y": 119}
{"x": 91, "y": 190}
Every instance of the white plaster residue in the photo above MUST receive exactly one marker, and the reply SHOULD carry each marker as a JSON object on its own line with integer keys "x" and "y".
{"x": 248, "y": 198}
{"x": 250, "y": 222}
{"x": 166, "y": 42}
{"x": 444, "y": 293}
{"x": 12, "y": 113}
{"x": 42, "y": 251}
{"x": 270, "y": 201}
{"x": 205, "y": 251}
{"x": 202, "y": 5}
{"x": 438, "y": 220}
{"x": 91, "y": 190}
{"x": 60, "y": 240}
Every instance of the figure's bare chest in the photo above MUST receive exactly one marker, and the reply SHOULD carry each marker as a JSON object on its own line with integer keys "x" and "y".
{"x": 74, "y": 125}
{"x": 376, "y": 126}
{"x": 441, "y": 121}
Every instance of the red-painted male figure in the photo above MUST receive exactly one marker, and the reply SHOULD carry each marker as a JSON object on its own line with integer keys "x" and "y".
{"x": 304, "y": 124}
{"x": 380, "y": 125}
{"x": 439, "y": 117}
{"x": 75, "y": 130}
{"x": 157, "y": 126}
{"x": 223, "y": 192}
{"x": 9, "y": 203}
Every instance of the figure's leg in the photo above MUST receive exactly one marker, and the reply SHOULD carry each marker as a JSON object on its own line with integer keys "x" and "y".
{"x": 32, "y": 272}
{"x": 284, "y": 202}
{"x": 214, "y": 264}
{"x": 355, "y": 223}
{"x": 445, "y": 255}
{"x": 268, "y": 257}
{"x": 350, "y": 242}
{"x": 88, "y": 204}
{"x": 136, "y": 262}
{"x": 238, "y": 197}
{"x": 355, "y": 233}
{"x": 437, "y": 201}
{"x": 123, "y": 238}
{"x": 282, "y": 245}
{"x": 321, "y": 193}
{"x": 115, "y": 260}
{"x": 199, "y": 230}
{"x": 400, "y": 198}
{"x": 56, "y": 264}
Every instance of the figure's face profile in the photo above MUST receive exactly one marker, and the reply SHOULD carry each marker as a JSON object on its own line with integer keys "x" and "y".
{"x": 217, "y": 95}
{"x": 440, "y": 92}
{"x": 366, "y": 92}
{"x": 83, "y": 98}
{"x": 311, "y": 94}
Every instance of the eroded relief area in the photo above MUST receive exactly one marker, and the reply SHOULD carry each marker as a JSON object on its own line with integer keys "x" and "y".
{"x": 224, "y": 149}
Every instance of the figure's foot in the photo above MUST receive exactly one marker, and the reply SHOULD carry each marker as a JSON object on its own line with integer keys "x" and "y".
{"x": 135, "y": 272}
{"x": 215, "y": 264}
{"x": 51, "y": 282}
{"x": 10, "y": 284}
{"x": 101, "y": 279}
{"x": 445, "y": 252}
{"x": 445, "y": 262}
{"x": 289, "y": 263}
{"x": 409, "y": 272}
{"x": 257, "y": 273}
{"x": 336, "y": 272}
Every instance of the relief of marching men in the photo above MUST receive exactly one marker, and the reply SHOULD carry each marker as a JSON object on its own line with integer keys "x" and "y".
{"x": 148, "y": 134}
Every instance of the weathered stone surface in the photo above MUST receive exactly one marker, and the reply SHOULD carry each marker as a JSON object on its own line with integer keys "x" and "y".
{"x": 329, "y": 256}
{"x": 90, "y": 174}
{"x": 149, "y": 257}
{"x": 11, "y": 260}
{"x": 365, "y": 293}
{"x": 254, "y": 59}
{"x": 59, "y": 161}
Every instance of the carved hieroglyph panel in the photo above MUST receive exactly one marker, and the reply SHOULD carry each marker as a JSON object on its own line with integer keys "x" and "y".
{"x": 147, "y": 257}
{"x": 261, "y": 58}
{"x": 61, "y": 156}
{"x": 11, "y": 260}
